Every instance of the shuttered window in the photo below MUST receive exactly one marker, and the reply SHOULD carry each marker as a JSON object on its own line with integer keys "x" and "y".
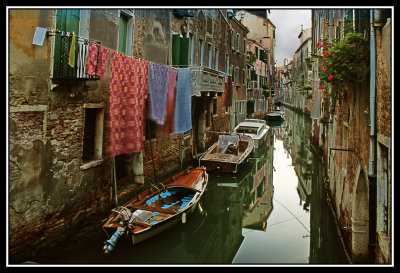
{"x": 67, "y": 20}
{"x": 180, "y": 50}
{"x": 123, "y": 28}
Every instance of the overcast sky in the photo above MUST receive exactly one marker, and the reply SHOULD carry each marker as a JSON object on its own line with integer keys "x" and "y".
{"x": 288, "y": 25}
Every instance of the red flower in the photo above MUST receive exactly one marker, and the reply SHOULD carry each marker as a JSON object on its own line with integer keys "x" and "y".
{"x": 324, "y": 59}
{"x": 323, "y": 70}
{"x": 321, "y": 66}
{"x": 329, "y": 64}
{"x": 352, "y": 46}
{"x": 330, "y": 77}
{"x": 326, "y": 53}
{"x": 321, "y": 87}
{"x": 333, "y": 54}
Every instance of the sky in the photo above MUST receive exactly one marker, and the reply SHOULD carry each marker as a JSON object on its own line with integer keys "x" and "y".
{"x": 288, "y": 26}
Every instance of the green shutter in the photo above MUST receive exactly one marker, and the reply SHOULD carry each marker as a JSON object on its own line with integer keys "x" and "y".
{"x": 184, "y": 52}
{"x": 123, "y": 28}
{"x": 67, "y": 20}
{"x": 176, "y": 45}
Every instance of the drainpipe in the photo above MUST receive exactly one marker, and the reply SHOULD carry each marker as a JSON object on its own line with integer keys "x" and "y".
{"x": 371, "y": 169}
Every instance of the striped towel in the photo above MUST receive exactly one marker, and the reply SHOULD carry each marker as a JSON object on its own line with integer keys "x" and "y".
{"x": 183, "y": 104}
{"x": 158, "y": 80}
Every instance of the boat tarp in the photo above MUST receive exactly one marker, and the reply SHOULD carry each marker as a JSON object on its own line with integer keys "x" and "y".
{"x": 224, "y": 141}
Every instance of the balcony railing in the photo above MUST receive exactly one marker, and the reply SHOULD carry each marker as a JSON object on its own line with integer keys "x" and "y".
{"x": 61, "y": 69}
{"x": 206, "y": 80}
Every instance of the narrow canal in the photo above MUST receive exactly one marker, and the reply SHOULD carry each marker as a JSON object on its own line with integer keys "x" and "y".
{"x": 274, "y": 211}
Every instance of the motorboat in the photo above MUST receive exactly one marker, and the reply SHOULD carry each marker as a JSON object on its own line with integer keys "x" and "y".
{"x": 255, "y": 128}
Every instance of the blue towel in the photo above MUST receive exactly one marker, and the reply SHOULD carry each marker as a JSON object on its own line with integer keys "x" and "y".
{"x": 183, "y": 103}
{"x": 158, "y": 80}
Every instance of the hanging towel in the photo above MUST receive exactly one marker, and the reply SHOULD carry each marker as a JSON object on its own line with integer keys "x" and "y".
{"x": 183, "y": 104}
{"x": 101, "y": 67}
{"x": 196, "y": 82}
{"x": 91, "y": 61}
{"x": 227, "y": 99}
{"x": 125, "y": 121}
{"x": 168, "y": 126}
{"x": 71, "y": 55}
{"x": 158, "y": 91}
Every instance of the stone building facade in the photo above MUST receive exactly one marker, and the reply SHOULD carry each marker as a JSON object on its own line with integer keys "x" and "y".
{"x": 354, "y": 137}
{"x": 60, "y": 182}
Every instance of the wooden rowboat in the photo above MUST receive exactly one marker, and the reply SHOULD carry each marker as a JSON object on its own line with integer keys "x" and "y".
{"x": 228, "y": 154}
{"x": 157, "y": 208}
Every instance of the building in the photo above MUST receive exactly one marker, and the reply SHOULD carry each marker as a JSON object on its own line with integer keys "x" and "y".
{"x": 302, "y": 74}
{"x": 261, "y": 61}
{"x": 61, "y": 180}
{"x": 353, "y": 132}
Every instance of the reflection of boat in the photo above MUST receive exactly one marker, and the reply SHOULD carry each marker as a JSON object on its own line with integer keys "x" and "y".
{"x": 276, "y": 114}
{"x": 157, "y": 208}
{"x": 255, "y": 128}
{"x": 229, "y": 152}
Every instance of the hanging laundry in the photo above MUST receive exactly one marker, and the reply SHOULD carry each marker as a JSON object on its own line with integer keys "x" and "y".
{"x": 227, "y": 99}
{"x": 91, "y": 61}
{"x": 71, "y": 55}
{"x": 158, "y": 91}
{"x": 183, "y": 108}
{"x": 128, "y": 90}
{"x": 103, "y": 56}
{"x": 168, "y": 126}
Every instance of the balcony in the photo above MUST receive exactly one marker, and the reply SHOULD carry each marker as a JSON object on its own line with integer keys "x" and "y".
{"x": 61, "y": 69}
{"x": 205, "y": 79}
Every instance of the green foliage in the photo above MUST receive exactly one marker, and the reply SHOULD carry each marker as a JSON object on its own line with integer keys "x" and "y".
{"x": 347, "y": 60}
{"x": 343, "y": 61}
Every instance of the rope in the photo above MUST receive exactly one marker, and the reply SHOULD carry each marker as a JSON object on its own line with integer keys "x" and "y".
{"x": 293, "y": 215}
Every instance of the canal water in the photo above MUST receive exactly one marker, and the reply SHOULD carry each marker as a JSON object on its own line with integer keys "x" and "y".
{"x": 273, "y": 212}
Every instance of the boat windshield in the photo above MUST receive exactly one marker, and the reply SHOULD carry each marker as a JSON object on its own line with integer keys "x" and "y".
{"x": 224, "y": 141}
{"x": 246, "y": 130}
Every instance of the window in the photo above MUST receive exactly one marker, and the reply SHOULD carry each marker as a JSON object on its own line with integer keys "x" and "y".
{"x": 232, "y": 39}
{"x": 385, "y": 189}
{"x": 125, "y": 32}
{"x": 216, "y": 59}
{"x": 227, "y": 63}
{"x": 67, "y": 20}
{"x": 93, "y": 133}
{"x": 244, "y": 46}
{"x": 201, "y": 52}
{"x": 238, "y": 41}
{"x": 209, "y": 49}
{"x": 215, "y": 106}
{"x": 123, "y": 28}
{"x": 191, "y": 56}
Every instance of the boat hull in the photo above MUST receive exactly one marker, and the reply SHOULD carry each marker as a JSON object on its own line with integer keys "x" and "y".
{"x": 157, "y": 204}
{"x": 213, "y": 160}
{"x": 168, "y": 224}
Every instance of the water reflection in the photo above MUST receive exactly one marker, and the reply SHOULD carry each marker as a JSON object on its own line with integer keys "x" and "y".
{"x": 272, "y": 212}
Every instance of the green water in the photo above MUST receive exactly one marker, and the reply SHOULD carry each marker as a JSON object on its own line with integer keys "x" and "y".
{"x": 273, "y": 212}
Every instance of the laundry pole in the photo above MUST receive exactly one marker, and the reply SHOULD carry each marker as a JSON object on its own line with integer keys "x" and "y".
{"x": 115, "y": 182}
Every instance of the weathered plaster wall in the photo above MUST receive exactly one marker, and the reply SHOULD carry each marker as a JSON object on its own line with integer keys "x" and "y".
{"x": 51, "y": 196}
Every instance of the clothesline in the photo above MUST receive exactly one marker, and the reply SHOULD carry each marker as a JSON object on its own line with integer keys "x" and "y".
{"x": 68, "y": 34}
